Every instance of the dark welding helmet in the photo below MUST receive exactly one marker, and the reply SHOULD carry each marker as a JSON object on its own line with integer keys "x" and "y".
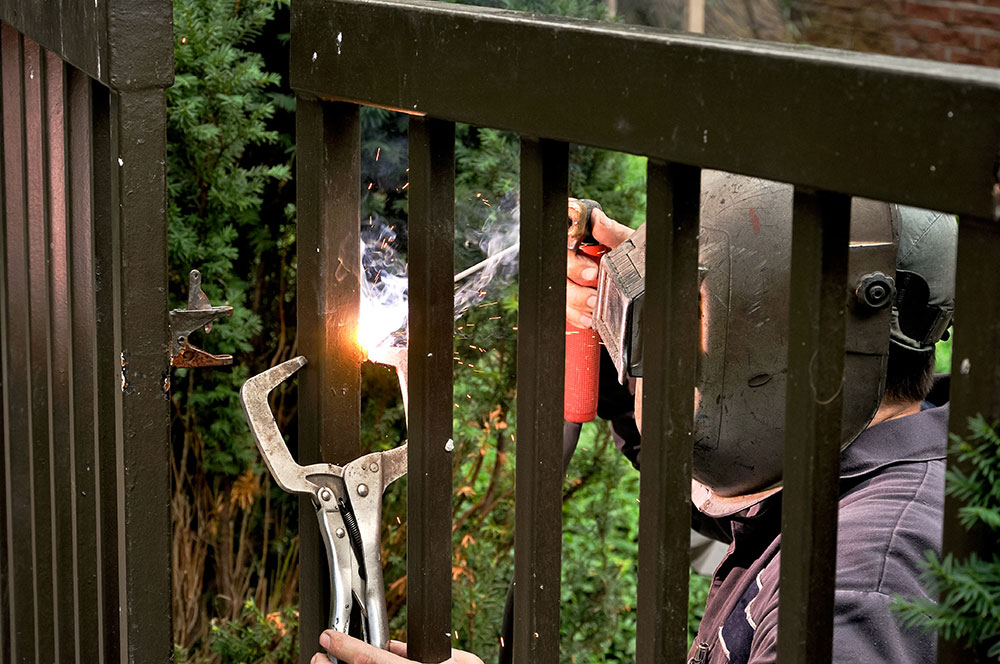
{"x": 744, "y": 271}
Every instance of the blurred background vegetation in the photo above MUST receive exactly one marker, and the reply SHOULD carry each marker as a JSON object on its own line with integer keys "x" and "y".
{"x": 232, "y": 215}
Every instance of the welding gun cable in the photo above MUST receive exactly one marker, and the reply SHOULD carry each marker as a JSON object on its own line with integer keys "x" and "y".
{"x": 492, "y": 259}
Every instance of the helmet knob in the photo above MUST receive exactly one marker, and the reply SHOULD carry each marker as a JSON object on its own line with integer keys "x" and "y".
{"x": 875, "y": 290}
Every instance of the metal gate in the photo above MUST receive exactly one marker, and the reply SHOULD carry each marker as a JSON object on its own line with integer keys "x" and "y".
{"x": 85, "y": 525}
{"x": 834, "y": 124}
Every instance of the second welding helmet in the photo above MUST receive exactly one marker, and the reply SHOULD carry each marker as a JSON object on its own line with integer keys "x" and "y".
{"x": 745, "y": 272}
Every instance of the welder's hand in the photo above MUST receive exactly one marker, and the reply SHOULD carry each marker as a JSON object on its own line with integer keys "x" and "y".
{"x": 581, "y": 271}
{"x": 349, "y": 650}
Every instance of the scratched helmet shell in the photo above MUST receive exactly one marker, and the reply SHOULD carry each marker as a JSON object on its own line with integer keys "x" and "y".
{"x": 745, "y": 269}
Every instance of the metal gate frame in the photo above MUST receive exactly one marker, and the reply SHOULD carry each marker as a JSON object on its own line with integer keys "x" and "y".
{"x": 84, "y": 510}
{"x": 834, "y": 124}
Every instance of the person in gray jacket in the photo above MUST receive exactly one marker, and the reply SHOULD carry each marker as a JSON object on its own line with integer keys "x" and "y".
{"x": 901, "y": 283}
{"x": 900, "y": 293}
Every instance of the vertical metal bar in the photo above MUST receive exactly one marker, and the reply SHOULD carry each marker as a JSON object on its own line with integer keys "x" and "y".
{"x": 540, "y": 364}
{"x": 138, "y": 137}
{"x": 83, "y": 369}
{"x": 670, "y": 348}
{"x": 105, "y": 239}
{"x": 5, "y": 653}
{"x": 820, "y": 233}
{"x": 975, "y": 382}
{"x": 431, "y": 328}
{"x": 17, "y": 381}
{"x": 39, "y": 340}
{"x": 328, "y": 241}
{"x": 61, "y": 397}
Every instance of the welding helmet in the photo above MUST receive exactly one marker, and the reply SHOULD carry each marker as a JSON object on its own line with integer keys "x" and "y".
{"x": 745, "y": 273}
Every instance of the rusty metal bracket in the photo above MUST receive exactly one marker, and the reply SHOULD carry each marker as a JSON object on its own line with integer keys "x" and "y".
{"x": 183, "y": 322}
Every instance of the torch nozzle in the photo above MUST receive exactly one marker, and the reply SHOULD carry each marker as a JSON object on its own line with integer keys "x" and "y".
{"x": 489, "y": 261}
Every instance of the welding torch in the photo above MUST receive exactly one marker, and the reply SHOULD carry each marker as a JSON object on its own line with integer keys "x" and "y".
{"x": 583, "y": 349}
{"x": 583, "y": 346}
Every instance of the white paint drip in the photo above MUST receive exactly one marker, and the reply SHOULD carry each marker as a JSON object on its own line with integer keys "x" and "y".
{"x": 340, "y": 40}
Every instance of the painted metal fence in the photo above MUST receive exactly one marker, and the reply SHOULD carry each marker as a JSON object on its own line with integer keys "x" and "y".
{"x": 834, "y": 124}
{"x": 84, "y": 508}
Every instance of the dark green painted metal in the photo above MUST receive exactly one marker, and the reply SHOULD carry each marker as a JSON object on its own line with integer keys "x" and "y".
{"x": 17, "y": 370}
{"x": 139, "y": 184}
{"x": 671, "y": 314}
{"x": 60, "y": 374}
{"x": 328, "y": 166}
{"x": 108, "y": 378}
{"x": 817, "y": 313}
{"x": 430, "y": 262}
{"x": 107, "y": 375}
{"x": 87, "y": 573}
{"x": 975, "y": 380}
{"x": 887, "y": 128}
{"x": 540, "y": 357}
{"x": 83, "y": 366}
{"x": 5, "y": 654}
{"x": 125, "y": 44}
{"x": 39, "y": 340}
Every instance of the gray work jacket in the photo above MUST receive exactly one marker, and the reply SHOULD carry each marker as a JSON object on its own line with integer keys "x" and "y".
{"x": 892, "y": 497}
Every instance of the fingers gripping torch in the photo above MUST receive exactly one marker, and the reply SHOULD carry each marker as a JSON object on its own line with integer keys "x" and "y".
{"x": 583, "y": 349}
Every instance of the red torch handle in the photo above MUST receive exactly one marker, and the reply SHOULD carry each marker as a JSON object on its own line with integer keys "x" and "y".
{"x": 583, "y": 363}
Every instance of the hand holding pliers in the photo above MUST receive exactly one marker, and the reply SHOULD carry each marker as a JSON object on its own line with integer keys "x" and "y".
{"x": 348, "y": 502}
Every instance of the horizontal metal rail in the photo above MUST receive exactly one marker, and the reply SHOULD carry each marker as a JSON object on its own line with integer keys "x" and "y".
{"x": 124, "y": 44}
{"x": 887, "y": 128}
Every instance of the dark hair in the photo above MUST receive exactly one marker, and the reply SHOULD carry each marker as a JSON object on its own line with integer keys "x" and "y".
{"x": 910, "y": 374}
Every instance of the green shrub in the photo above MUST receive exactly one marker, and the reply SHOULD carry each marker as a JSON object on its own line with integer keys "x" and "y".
{"x": 257, "y": 637}
{"x": 968, "y": 609}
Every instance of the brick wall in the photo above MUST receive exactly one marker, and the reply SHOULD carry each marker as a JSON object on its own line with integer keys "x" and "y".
{"x": 964, "y": 31}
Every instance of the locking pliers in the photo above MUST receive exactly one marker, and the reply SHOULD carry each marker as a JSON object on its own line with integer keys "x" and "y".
{"x": 348, "y": 502}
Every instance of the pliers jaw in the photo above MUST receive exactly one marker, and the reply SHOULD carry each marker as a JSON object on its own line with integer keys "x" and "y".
{"x": 348, "y": 502}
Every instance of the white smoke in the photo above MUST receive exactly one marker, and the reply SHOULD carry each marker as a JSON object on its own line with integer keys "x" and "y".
{"x": 384, "y": 287}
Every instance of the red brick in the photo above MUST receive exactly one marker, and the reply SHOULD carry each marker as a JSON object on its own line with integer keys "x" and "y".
{"x": 962, "y": 56}
{"x": 989, "y": 44}
{"x": 893, "y": 6}
{"x": 931, "y": 34}
{"x": 935, "y": 11}
{"x": 979, "y": 18}
{"x": 925, "y": 51}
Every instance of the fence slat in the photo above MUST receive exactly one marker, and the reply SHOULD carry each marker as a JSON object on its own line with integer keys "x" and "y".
{"x": 430, "y": 232}
{"x": 540, "y": 357}
{"x": 820, "y": 232}
{"x": 108, "y": 380}
{"x": 975, "y": 380}
{"x": 670, "y": 311}
{"x": 61, "y": 409}
{"x": 17, "y": 383}
{"x": 5, "y": 529}
{"x": 328, "y": 300}
{"x": 39, "y": 341}
{"x": 83, "y": 371}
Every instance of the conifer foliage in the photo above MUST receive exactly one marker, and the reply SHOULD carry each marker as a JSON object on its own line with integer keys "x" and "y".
{"x": 969, "y": 590}
{"x": 233, "y": 543}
